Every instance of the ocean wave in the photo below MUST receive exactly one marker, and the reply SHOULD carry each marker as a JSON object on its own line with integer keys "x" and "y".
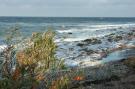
{"x": 97, "y": 27}
{"x": 74, "y": 39}
{"x": 78, "y": 30}
{"x": 81, "y": 38}
{"x": 113, "y": 25}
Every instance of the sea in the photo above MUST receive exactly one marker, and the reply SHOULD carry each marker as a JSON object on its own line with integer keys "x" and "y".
{"x": 68, "y": 29}
{"x": 81, "y": 27}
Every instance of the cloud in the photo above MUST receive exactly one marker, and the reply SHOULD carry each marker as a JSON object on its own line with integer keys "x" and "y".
{"x": 68, "y": 7}
{"x": 66, "y": 3}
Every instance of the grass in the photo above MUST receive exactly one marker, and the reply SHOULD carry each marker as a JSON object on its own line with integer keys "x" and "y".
{"x": 34, "y": 63}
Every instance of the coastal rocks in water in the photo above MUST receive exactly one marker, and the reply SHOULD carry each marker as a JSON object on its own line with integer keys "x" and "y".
{"x": 93, "y": 41}
{"x": 70, "y": 33}
{"x": 88, "y": 51}
{"x": 116, "y": 38}
{"x": 130, "y": 33}
{"x": 81, "y": 44}
{"x": 130, "y": 62}
{"x": 71, "y": 49}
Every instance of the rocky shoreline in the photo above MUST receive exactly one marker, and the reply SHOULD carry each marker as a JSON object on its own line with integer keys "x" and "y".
{"x": 114, "y": 75}
{"x": 79, "y": 53}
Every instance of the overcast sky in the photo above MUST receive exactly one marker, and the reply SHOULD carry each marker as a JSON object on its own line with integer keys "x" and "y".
{"x": 72, "y": 8}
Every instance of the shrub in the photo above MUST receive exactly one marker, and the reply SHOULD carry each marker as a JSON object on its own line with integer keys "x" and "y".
{"x": 33, "y": 63}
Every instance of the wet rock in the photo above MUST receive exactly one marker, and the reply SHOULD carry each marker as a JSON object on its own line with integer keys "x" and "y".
{"x": 130, "y": 33}
{"x": 116, "y": 38}
{"x": 71, "y": 49}
{"x": 70, "y": 33}
{"x": 93, "y": 41}
{"x": 110, "y": 40}
{"x": 112, "y": 34}
{"x": 120, "y": 27}
{"x": 88, "y": 51}
{"x": 81, "y": 44}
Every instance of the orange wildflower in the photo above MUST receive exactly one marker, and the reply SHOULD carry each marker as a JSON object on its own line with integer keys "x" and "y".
{"x": 79, "y": 78}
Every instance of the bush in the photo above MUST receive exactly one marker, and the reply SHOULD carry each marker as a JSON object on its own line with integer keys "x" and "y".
{"x": 34, "y": 63}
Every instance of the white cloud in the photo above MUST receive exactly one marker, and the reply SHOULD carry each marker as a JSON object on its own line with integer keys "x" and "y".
{"x": 68, "y": 7}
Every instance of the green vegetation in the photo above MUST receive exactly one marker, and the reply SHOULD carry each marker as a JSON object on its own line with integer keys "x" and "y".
{"x": 34, "y": 64}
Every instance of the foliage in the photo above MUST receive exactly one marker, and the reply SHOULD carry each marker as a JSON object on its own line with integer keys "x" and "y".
{"x": 33, "y": 64}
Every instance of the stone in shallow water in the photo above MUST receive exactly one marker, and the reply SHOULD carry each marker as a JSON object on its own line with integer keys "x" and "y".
{"x": 93, "y": 41}
{"x": 81, "y": 44}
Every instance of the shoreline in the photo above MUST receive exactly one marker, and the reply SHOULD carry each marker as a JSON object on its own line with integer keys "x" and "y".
{"x": 95, "y": 49}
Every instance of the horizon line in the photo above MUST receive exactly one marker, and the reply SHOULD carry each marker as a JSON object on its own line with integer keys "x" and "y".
{"x": 73, "y": 16}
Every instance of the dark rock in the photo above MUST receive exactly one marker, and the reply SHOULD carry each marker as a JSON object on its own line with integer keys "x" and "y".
{"x": 70, "y": 33}
{"x": 130, "y": 62}
{"x": 80, "y": 44}
{"x": 120, "y": 27}
{"x": 118, "y": 38}
{"x": 88, "y": 40}
{"x": 114, "y": 38}
{"x": 133, "y": 30}
{"x": 110, "y": 40}
{"x": 71, "y": 49}
{"x": 130, "y": 34}
{"x": 88, "y": 51}
{"x": 93, "y": 41}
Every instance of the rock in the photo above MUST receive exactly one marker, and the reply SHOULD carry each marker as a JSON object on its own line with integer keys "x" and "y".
{"x": 93, "y": 41}
{"x": 80, "y": 44}
{"x": 70, "y": 33}
{"x": 130, "y": 62}
{"x": 130, "y": 33}
{"x": 88, "y": 51}
{"x": 118, "y": 38}
{"x": 71, "y": 49}
{"x": 133, "y": 30}
{"x": 120, "y": 27}
{"x": 112, "y": 38}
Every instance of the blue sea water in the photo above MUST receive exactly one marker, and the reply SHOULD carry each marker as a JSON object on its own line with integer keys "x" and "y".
{"x": 60, "y": 24}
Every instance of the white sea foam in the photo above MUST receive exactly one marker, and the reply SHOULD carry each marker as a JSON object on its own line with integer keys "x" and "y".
{"x": 97, "y": 27}
{"x": 112, "y": 25}
{"x": 80, "y": 38}
{"x": 2, "y": 47}
{"x": 79, "y": 30}
{"x": 71, "y": 63}
{"x": 66, "y": 31}
{"x": 74, "y": 39}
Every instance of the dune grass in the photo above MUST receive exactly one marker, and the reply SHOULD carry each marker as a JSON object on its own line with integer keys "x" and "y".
{"x": 34, "y": 63}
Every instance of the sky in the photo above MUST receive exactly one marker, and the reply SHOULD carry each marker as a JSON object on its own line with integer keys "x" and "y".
{"x": 68, "y": 8}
